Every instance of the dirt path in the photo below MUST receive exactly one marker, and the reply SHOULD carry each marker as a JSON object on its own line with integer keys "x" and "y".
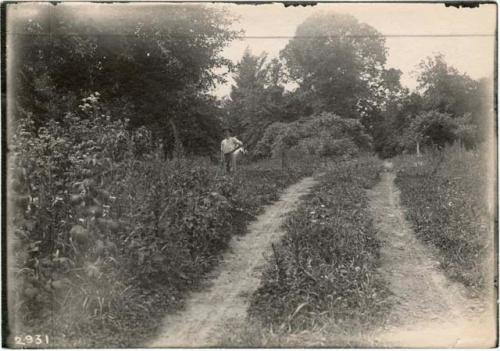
{"x": 429, "y": 310}
{"x": 202, "y": 323}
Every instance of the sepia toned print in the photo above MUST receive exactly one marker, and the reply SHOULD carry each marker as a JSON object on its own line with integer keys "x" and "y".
{"x": 238, "y": 175}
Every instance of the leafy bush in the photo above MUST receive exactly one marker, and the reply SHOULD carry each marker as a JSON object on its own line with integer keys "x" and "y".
{"x": 323, "y": 134}
{"x": 323, "y": 270}
{"x": 107, "y": 235}
{"x": 62, "y": 205}
{"x": 446, "y": 195}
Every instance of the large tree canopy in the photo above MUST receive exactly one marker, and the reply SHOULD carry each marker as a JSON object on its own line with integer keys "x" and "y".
{"x": 339, "y": 62}
{"x": 155, "y": 65}
{"x": 445, "y": 89}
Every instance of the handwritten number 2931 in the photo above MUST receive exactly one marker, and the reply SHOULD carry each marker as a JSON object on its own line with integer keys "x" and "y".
{"x": 31, "y": 339}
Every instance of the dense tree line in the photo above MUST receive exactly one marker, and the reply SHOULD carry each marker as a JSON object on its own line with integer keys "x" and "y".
{"x": 153, "y": 66}
{"x": 447, "y": 107}
{"x": 338, "y": 66}
{"x": 157, "y": 64}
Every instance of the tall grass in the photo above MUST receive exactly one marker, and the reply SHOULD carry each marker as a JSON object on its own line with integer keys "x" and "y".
{"x": 106, "y": 236}
{"x": 448, "y": 195}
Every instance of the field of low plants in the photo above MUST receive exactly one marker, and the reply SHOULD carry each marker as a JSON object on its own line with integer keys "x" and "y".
{"x": 323, "y": 271}
{"x": 107, "y": 236}
{"x": 446, "y": 196}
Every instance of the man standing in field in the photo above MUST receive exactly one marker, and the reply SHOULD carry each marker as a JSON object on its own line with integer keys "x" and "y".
{"x": 227, "y": 147}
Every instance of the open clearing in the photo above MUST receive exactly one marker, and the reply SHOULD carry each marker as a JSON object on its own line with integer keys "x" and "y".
{"x": 202, "y": 322}
{"x": 428, "y": 310}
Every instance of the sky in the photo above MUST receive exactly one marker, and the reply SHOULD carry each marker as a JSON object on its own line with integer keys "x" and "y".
{"x": 465, "y": 36}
